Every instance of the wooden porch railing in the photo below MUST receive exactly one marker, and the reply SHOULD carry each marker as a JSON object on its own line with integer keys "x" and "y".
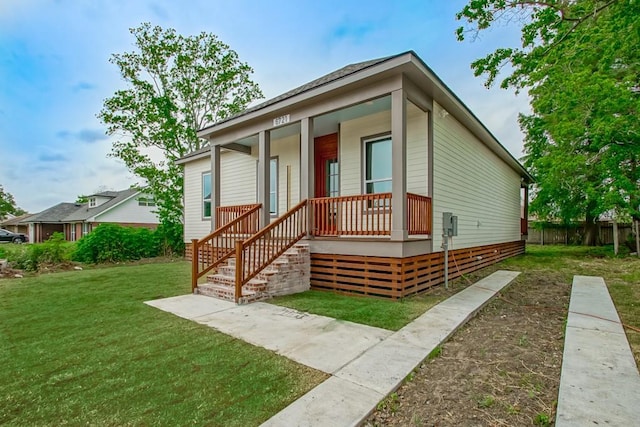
{"x": 226, "y": 214}
{"x": 418, "y": 214}
{"x": 360, "y": 215}
{"x": 219, "y": 245}
{"x": 256, "y": 253}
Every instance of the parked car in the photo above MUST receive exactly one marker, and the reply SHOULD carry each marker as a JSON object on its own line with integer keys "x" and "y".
{"x": 9, "y": 236}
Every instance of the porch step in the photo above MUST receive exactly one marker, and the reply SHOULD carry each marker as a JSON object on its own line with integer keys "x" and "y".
{"x": 289, "y": 273}
{"x": 227, "y": 293}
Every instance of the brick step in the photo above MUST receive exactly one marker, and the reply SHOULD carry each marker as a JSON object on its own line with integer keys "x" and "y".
{"x": 254, "y": 285}
{"x": 226, "y": 293}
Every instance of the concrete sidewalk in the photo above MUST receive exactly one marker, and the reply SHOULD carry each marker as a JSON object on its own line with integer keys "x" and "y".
{"x": 366, "y": 363}
{"x": 599, "y": 384}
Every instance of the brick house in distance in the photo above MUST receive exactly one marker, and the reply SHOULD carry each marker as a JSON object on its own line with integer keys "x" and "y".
{"x": 128, "y": 207}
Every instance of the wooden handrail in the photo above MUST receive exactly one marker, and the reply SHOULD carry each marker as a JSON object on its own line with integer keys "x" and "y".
{"x": 357, "y": 215}
{"x": 257, "y": 252}
{"x": 418, "y": 214}
{"x": 226, "y": 214}
{"x": 220, "y": 243}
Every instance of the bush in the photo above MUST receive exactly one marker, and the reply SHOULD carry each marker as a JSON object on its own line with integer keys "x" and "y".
{"x": 114, "y": 243}
{"x": 56, "y": 250}
{"x": 170, "y": 239}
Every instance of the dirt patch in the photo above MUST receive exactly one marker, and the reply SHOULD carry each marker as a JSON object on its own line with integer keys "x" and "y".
{"x": 501, "y": 369}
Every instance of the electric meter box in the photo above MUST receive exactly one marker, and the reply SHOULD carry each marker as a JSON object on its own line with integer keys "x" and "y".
{"x": 449, "y": 224}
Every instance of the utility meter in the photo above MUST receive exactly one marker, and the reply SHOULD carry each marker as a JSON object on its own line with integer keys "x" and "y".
{"x": 449, "y": 224}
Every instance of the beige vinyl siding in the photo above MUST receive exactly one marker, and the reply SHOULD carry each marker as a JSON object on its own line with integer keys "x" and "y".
{"x": 238, "y": 172}
{"x": 473, "y": 183}
{"x": 350, "y": 147}
{"x": 287, "y": 150}
{"x": 194, "y": 226}
{"x": 417, "y": 124}
{"x": 352, "y": 132}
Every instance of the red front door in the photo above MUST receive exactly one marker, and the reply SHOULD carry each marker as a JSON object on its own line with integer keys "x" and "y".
{"x": 326, "y": 165}
{"x": 326, "y": 182}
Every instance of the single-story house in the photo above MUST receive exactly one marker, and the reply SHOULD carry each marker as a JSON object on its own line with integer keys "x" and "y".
{"x": 130, "y": 207}
{"x": 364, "y": 165}
{"x": 15, "y": 223}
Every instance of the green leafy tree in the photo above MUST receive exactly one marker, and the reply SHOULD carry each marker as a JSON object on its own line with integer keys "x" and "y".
{"x": 8, "y": 204}
{"x": 579, "y": 61}
{"x": 175, "y": 86}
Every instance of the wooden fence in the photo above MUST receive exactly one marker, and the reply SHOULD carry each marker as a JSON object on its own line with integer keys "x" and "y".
{"x": 557, "y": 235}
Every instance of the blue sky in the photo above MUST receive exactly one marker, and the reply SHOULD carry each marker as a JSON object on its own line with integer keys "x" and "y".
{"x": 55, "y": 74}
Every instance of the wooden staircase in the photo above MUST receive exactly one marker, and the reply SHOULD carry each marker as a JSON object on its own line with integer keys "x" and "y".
{"x": 289, "y": 273}
{"x": 251, "y": 264}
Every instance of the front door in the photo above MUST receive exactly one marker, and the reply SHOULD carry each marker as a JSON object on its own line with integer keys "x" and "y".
{"x": 326, "y": 165}
{"x": 326, "y": 182}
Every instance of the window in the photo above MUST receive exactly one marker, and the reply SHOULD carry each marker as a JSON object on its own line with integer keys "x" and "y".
{"x": 73, "y": 233}
{"x": 146, "y": 201}
{"x": 333, "y": 174}
{"x": 92, "y": 202}
{"x": 206, "y": 195}
{"x": 377, "y": 170}
{"x": 273, "y": 186}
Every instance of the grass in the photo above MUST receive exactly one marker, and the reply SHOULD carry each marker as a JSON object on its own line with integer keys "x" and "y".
{"x": 621, "y": 273}
{"x": 381, "y": 313}
{"x": 81, "y": 348}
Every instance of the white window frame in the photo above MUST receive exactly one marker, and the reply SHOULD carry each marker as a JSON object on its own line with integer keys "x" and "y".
{"x": 365, "y": 142}
{"x": 92, "y": 202}
{"x": 204, "y": 200}
{"x": 146, "y": 201}
{"x": 273, "y": 189}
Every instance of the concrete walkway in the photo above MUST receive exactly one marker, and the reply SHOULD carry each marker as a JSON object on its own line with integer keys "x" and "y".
{"x": 366, "y": 363}
{"x": 599, "y": 384}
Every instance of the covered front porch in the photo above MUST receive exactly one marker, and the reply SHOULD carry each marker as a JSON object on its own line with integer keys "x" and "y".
{"x": 361, "y": 160}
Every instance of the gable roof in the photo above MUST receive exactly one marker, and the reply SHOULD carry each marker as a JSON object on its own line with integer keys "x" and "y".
{"x": 327, "y": 78}
{"x": 78, "y": 212}
{"x": 55, "y": 213}
{"x": 85, "y": 212}
{"x": 406, "y": 63}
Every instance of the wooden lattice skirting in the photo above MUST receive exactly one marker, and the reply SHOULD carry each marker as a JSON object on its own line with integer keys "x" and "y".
{"x": 399, "y": 277}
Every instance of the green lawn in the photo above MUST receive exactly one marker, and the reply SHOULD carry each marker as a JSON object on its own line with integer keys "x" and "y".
{"x": 81, "y": 348}
{"x": 382, "y": 313}
{"x": 622, "y": 275}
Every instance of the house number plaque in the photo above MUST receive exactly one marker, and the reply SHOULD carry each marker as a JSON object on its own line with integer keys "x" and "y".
{"x": 281, "y": 120}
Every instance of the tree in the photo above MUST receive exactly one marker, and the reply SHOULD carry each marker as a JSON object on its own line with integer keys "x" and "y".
{"x": 175, "y": 86}
{"x": 8, "y": 204}
{"x": 580, "y": 64}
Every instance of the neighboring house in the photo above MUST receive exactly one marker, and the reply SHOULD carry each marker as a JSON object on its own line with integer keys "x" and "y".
{"x": 375, "y": 153}
{"x": 127, "y": 207}
{"x": 15, "y": 224}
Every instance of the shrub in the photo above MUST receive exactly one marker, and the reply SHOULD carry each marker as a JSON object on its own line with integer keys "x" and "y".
{"x": 169, "y": 237}
{"x": 114, "y": 243}
{"x": 54, "y": 251}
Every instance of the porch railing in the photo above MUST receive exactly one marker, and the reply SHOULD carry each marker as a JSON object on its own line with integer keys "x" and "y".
{"x": 226, "y": 214}
{"x": 360, "y": 215}
{"x": 418, "y": 214}
{"x": 219, "y": 245}
{"x": 256, "y": 253}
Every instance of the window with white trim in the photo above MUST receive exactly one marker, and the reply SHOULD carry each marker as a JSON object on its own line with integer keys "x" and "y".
{"x": 273, "y": 186}
{"x": 206, "y": 195}
{"x": 92, "y": 202}
{"x": 378, "y": 165}
{"x": 146, "y": 201}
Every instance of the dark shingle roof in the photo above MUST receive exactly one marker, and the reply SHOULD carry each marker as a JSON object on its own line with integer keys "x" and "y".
{"x": 55, "y": 213}
{"x": 15, "y": 221}
{"x": 85, "y": 212}
{"x": 327, "y": 78}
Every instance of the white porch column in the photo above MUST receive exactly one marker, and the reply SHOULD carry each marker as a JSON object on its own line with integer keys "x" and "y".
{"x": 307, "y": 164}
{"x": 215, "y": 183}
{"x": 264, "y": 175}
{"x": 399, "y": 165}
